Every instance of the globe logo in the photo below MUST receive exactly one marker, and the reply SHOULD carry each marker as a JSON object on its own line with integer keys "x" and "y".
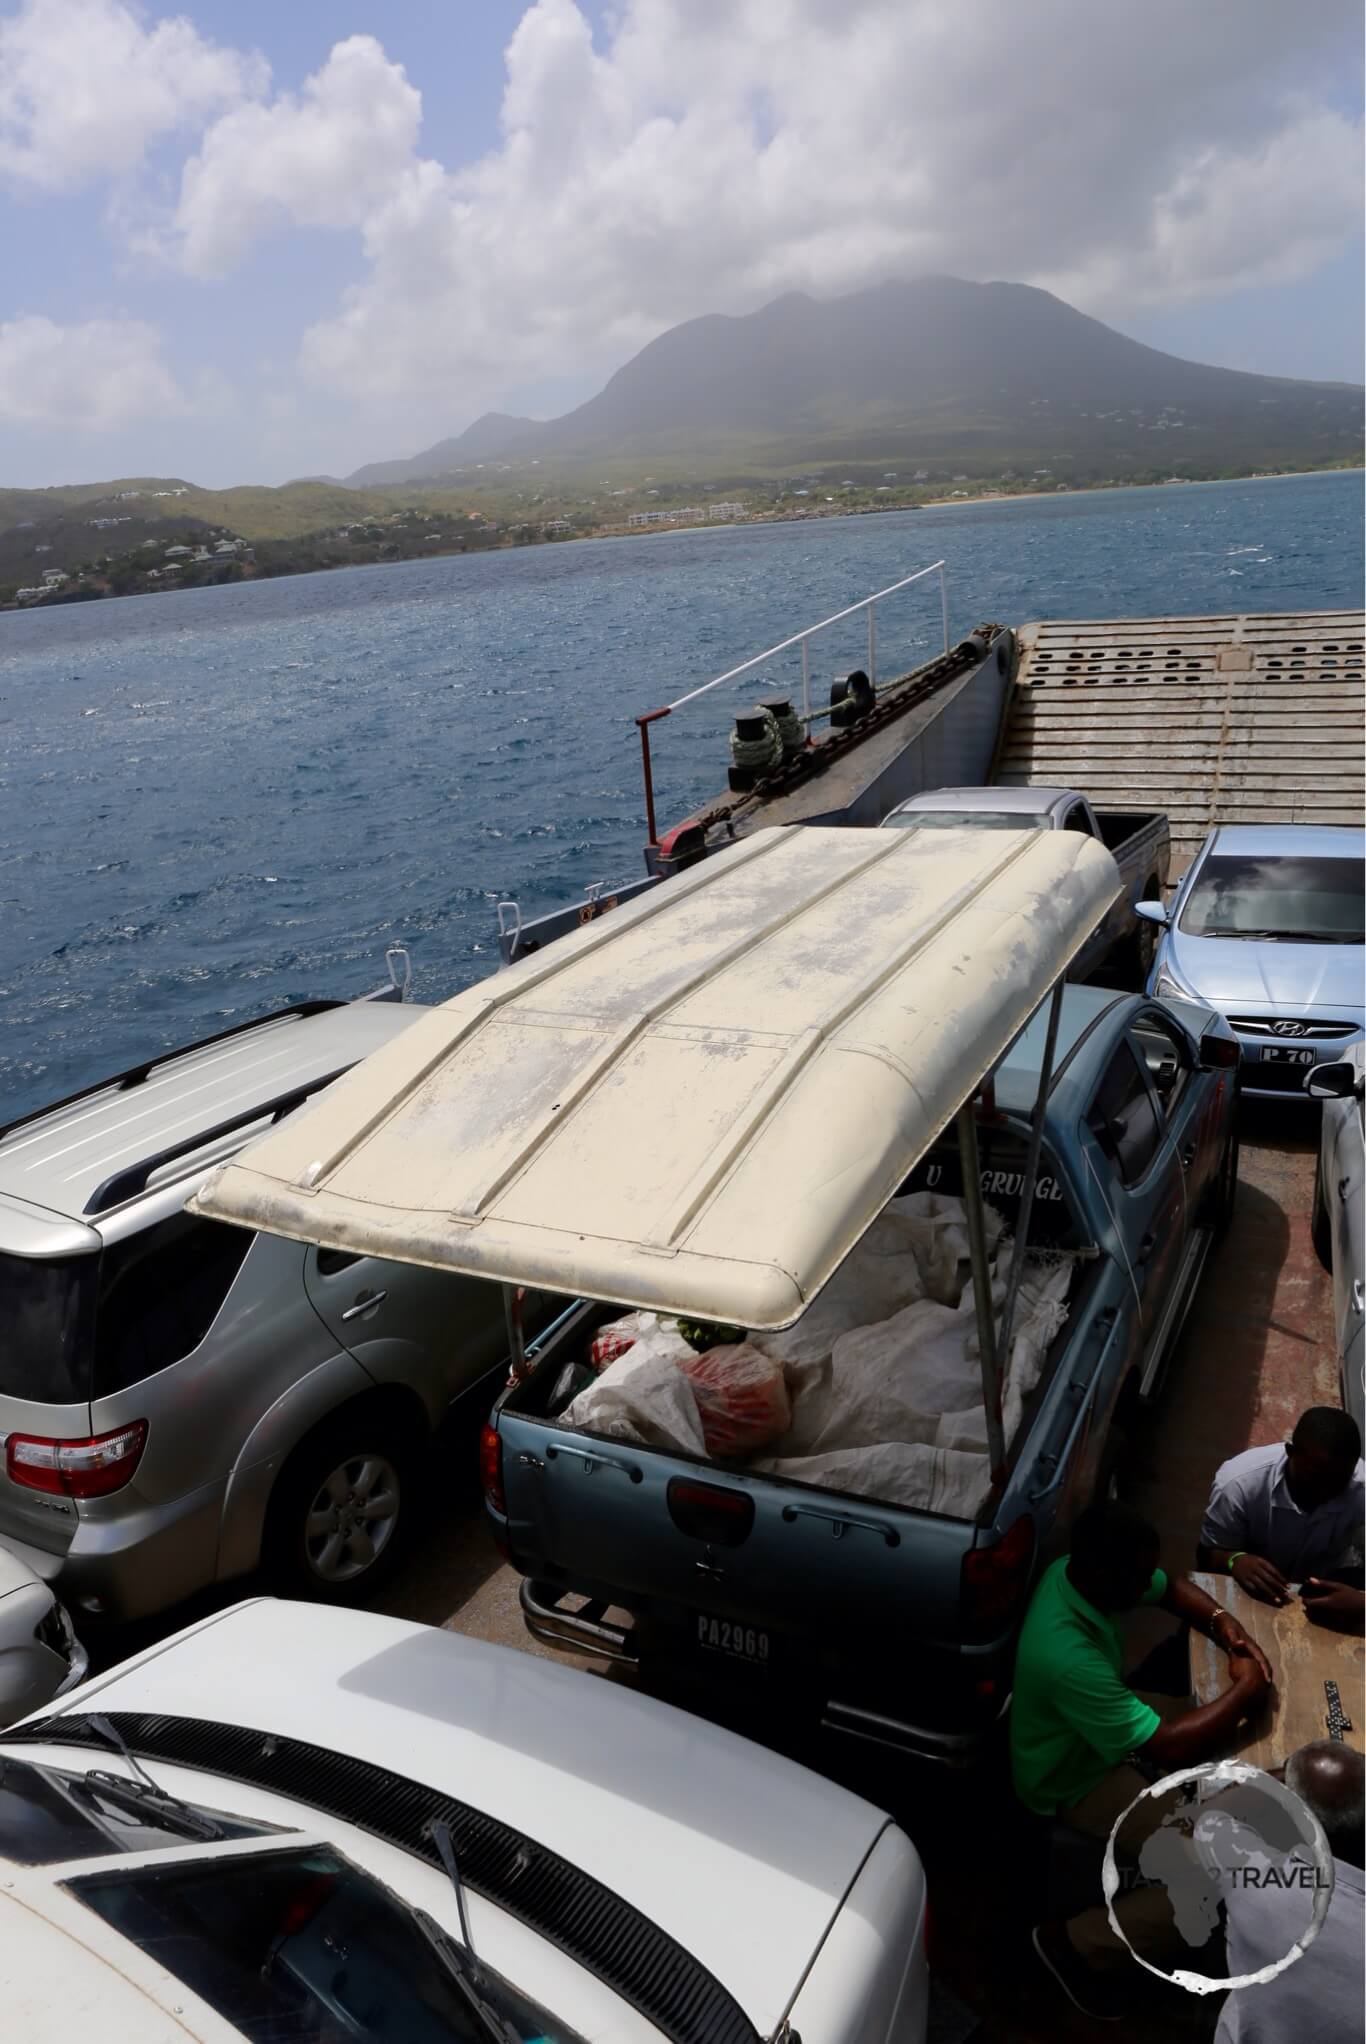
{"x": 1201, "y": 1841}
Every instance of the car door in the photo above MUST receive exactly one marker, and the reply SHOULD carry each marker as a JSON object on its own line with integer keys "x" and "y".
{"x": 1346, "y": 1201}
{"x": 1141, "y": 1175}
{"x": 405, "y": 1324}
{"x": 1188, "y": 1099}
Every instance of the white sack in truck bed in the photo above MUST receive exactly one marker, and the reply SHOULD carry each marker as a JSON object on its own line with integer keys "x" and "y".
{"x": 885, "y": 1398}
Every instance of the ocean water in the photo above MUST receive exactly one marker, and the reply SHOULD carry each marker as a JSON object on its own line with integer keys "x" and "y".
{"x": 219, "y": 801}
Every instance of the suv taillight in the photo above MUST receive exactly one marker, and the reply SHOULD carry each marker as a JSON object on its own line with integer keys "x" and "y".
{"x": 491, "y": 1470}
{"x": 995, "y": 1578}
{"x": 89, "y": 1468}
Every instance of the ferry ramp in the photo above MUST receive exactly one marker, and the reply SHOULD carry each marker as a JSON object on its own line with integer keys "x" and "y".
{"x": 1251, "y": 719}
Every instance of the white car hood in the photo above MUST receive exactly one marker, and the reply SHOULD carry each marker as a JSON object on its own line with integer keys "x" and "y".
{"x": 14, "y": 1573}
{"x": 741, "y": 1856}
{"x": 1229, "y": 971}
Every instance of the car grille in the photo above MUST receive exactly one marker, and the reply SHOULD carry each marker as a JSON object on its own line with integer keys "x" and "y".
{"x": 557, "y": 1900}
{"x": 1307, "y": 1032}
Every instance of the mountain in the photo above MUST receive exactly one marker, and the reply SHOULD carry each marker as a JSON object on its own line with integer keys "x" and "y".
{"x": 496, "y": 433}
{"x": 935, "y": 369}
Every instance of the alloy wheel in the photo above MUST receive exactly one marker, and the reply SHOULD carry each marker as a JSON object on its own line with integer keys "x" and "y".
{"x": 352, "y": 1518}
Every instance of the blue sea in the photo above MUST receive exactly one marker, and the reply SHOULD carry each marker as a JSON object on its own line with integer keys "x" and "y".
{"x": 218, "y": 801}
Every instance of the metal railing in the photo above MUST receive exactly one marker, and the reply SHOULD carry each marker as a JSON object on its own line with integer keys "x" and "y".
{"x": 802, "y": 639}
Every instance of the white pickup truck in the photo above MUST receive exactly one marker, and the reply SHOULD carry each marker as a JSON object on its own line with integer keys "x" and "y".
{"x": 1138, "y": 839}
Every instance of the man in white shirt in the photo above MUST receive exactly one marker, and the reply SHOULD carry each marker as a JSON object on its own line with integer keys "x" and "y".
{"x": 1319, "y": 1997}
{"x": 1292, "y": 1513}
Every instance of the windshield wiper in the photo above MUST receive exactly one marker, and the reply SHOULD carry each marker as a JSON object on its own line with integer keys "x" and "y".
{"x": 457, "y": 1954}
{"x": 143, "y": 1797}
{"x": 463, "y": 1968}
{"x": 1282, "y": 936}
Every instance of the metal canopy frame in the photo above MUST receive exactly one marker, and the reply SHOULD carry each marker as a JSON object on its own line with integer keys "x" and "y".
{"x": 993, "y": 1341}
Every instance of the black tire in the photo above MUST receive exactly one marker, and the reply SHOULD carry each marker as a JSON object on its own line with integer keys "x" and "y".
{"x": 351, "y": 1466}
{"x": 1109, "y": 1487}
{"x": 1141, "y": 949}
{"x": 1224, "y": 1191}
{"x": 1319, "y": 1229}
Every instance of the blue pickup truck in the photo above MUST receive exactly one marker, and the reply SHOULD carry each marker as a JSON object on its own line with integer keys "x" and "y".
{"x": 902, "y": 1627}
{"x": 735, "y": 1102}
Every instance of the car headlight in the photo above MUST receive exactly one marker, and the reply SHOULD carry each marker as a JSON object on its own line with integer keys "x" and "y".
{"x": 1167, "y": 983}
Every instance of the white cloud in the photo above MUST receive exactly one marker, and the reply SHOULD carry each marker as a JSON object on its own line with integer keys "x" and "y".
{"x": 327, "y": 158}
{"x": 710, "y": 154}
{"x": 94, "y": 376}
{"x": 87, "y": 85}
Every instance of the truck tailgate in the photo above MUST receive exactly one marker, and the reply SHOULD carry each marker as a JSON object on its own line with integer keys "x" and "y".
{"x": 682, "y": 1541}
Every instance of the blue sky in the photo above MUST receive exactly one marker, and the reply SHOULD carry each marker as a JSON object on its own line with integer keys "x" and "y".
{"x": 243, "y": 242}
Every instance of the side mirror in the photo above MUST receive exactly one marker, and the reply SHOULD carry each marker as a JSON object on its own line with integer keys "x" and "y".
{"x": 1152, "y": 912}
{"x": 1331, "y": 1082}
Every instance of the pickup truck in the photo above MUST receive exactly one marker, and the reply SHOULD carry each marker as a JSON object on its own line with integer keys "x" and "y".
{"x": 1138, "y": 839}
{"x": 699, "y": 1107}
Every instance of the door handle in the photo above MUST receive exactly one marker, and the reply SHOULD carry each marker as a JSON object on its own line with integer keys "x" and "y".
{"x": 1358, "y": 1303}
{"x": 593, "y": 1458}
{"x": 364, "y": 1304}
{"x": 1344, "y": 1185}
{"x": 1147, "y": 1246}
{"x": 1188, "y": 1155}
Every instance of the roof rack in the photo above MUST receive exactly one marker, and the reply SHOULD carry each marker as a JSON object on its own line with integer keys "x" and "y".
{"x": 135, "y": 1075}
{"x": 131, "y": 1179}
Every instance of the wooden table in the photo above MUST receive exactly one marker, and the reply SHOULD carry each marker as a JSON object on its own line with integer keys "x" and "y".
{"x": 1302, "y": 1657}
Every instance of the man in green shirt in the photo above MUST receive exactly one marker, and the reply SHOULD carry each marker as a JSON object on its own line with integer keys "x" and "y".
{"x": 1083, "y": 1744}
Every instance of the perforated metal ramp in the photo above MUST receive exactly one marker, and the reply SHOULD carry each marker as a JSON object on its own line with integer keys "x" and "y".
{"x": 1254, "y": 719}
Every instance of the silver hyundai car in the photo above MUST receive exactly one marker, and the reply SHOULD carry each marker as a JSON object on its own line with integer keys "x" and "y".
{"x": 1267, "y": 929}
{"x": 181, "y": 1400}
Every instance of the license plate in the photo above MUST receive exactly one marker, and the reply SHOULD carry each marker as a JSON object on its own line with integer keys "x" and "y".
{"x": 734, "y": 1641}
{"x": 1288, "y": 1054}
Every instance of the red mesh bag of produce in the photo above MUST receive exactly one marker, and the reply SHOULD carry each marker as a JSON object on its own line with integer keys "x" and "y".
{"x": 741, "y": 1397}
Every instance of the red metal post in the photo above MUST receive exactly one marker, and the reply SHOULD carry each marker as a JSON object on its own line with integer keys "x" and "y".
{"x": 644, "y": 723}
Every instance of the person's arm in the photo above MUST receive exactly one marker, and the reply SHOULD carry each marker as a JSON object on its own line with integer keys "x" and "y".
{"x": 1252, "y": 1572}
{"x": 1333, "y": 1605}
{"x": 1185, "y": 1600}
{"x": 1204, "y": 1733}
{"x": 1224, "y": 1549}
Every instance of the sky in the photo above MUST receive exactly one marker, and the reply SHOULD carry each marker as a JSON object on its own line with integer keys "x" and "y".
{"x": 244, "y": 242}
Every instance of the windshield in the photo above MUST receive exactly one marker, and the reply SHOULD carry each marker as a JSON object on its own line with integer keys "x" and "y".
{"x": 47, "y": 1313}
{"x": 49, "y": 1814}
{"x": 302, "y": 1947}
{"x": 967, "y": 819}
{"x": 1304, "y": 900}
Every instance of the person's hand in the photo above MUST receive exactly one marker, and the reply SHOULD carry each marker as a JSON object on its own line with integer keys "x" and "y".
{"x": 1261, "y": 1579}
{"x": 1230, "y": 1636}
{"x": 1333, "y": 1605}
{"x": 1251, "y": 1673}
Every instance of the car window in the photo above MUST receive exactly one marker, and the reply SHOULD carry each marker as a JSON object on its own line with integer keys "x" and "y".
{"x": 1122, "y": 1116}
{"x": 1167, "y": 1059}
{"x": 332, "y": 1261}
{"x": 1077, "y": 819}
{"x": 1277, "y": 895}
{"x": 50, "y": 1814}
{"x": 47, "y": 1311}
{"x": 964, "y": 819}
{"x": 160, "y": 1292}
{"x": 302, "y": 1947}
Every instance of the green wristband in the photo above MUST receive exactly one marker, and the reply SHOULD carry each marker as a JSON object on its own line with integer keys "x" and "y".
{"x": 1235, "y": 1557}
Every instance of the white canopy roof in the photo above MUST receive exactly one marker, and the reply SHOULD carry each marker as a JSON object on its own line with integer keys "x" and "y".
{"x": 699, "y": 1102}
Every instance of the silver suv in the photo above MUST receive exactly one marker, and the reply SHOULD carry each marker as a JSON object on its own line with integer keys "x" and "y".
{"x": 181, "y": 1400}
